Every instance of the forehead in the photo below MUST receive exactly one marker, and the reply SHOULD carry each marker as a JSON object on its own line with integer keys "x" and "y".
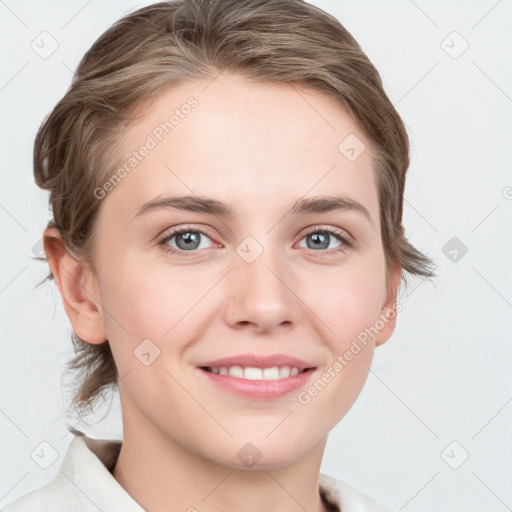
{"x": 250, "y": 145}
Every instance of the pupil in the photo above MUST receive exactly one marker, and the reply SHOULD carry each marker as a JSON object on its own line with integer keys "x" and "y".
{"x": 190, "y": 238}
{"x": 319, "y": 240}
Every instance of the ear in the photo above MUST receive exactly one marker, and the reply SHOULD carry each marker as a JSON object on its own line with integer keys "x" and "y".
{"x": 389, "y": 310}
{"x": 78, "y": 287}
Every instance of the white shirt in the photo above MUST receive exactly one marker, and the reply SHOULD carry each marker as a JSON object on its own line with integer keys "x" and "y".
{"x": 84, "y": 483}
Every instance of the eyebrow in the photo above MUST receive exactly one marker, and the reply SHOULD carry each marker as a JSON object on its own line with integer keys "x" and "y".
{"x": 320, "y": 204}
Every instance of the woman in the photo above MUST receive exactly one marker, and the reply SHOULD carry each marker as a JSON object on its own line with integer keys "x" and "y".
{"x": 226, "y": 181}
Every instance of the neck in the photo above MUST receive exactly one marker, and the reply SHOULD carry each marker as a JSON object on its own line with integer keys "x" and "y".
{"x": 162, "y": 475}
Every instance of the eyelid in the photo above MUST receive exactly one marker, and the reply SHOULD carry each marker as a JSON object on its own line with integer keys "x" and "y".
{"x": 346, "y": 239}
{"x": 343, "y": 234}
{"x": 169, "y": 233}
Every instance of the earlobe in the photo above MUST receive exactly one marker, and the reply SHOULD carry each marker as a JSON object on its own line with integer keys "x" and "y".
{"x": 78, "y": 286}
{"x": 388, "y": 312}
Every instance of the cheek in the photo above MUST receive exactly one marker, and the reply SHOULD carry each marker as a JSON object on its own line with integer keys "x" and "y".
{"x": 347, "y": 300}
{"x": 349, "y": 306}
{"x": 149, "y": 301}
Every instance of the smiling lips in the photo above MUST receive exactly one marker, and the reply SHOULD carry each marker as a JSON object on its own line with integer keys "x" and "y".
{"x": 252, "y": 373}
{"x": 258, "y": 377}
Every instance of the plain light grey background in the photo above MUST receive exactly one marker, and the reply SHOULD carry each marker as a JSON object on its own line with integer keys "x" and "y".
{"x": 431, "y": 429}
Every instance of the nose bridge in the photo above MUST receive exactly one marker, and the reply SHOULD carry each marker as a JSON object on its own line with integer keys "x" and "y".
{"x": 262, "y": 284}
{"x": 259, "y": 263}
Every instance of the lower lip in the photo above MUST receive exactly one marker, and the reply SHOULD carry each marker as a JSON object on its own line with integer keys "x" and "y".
{"x": 260, "y": 389}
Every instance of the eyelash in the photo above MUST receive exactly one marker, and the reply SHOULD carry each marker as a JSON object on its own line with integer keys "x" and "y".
{"x": 341, "y": 235}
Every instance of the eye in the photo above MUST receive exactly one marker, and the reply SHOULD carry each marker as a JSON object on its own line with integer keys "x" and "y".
{"x": 192, "y": 239}
{"x": 185, "y": 240}
{"x": 320, "y": 238}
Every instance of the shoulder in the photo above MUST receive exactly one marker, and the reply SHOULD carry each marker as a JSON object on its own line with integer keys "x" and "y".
{"x": 53, "y": 496}
{"x": 62, "y": 493}
{"x": 83, "y": 483}
{"x": 345, "y": 497}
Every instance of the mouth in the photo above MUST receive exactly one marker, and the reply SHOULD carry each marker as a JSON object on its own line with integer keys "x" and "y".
{"x": 258, "y": 377}
{"x": 254, "y": 373}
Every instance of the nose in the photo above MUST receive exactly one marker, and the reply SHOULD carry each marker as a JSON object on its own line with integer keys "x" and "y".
{"x": 261, "y": 294}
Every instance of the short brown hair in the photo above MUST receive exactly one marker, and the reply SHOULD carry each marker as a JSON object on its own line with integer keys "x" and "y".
{"x": 274, "y": 41}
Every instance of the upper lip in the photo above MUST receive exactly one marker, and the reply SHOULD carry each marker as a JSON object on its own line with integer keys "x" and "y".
{"x": 258, "y": 361}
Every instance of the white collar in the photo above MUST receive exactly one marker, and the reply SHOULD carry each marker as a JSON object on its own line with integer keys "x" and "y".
{"x": 85, "y": 483}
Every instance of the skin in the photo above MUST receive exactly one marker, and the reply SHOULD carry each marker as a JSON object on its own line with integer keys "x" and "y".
{"x": 257, "y": 148}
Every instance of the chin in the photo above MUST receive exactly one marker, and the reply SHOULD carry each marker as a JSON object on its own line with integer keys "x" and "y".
{"x": 260, "y": 453}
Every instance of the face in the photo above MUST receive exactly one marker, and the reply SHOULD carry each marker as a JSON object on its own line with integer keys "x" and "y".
{"x": 232, "y": 314}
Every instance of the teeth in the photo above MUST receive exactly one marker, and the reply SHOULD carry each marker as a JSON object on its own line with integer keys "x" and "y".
{"x": 270, "y": 373}
{"x": 284, "y": 372}
{"x": 252, "y": 373}
{"x": 236, "y": 371}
